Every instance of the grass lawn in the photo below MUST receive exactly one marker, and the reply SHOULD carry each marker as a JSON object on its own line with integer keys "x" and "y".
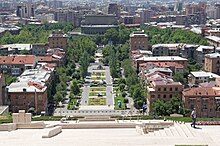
{"x": 96, "y": 93}
{"x": 98, "y": 73}
{"x": 5, "y": 119}
{"x": 97, "y": 101}
{"x": 98, "y": 89}
{"x": 117, "y": 99}
{"x": 73, "y": 102}
{"x": 98, "y": 78}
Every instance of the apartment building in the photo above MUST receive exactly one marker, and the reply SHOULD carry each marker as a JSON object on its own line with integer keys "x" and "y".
{"x": 166, "y": 49}
{"x": 39, "y": 49}
{"x": 31, "y": 90}
{"x": 212, "y": 63}
{"x": 15, "y": 65}
{"x": 205, "y": 100}
{"x": 138, "y": 40}
{"x": 163, "y": 89}
{"x": 214, "y": 40}
{"x": 176, "y": 59}
{"x": 197, "y": 77}
{"x": 58, "y": 40}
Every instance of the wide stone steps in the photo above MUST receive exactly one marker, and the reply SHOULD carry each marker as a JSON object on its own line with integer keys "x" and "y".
{"x": 178, "y": 130}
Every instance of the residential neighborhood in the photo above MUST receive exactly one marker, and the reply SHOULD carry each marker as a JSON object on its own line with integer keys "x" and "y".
{"x": 144, "y": 70}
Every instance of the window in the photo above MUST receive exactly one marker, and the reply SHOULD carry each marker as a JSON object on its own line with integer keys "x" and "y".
{"x": 171, "y": 95}
{"x": 32, "y": 98}
{"x": 158, "y": 95}
{"x": 176, "y": 89}
{"x": 158, "y": 89}
{"x": 40, "y": 98}
{"x": 171, "y": 89}
{"x": 164, "y": 89}
{"x": 164, "y": 96}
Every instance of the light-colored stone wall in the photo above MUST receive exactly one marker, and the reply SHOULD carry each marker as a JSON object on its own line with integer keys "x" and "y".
{"x": 21, "y": 117}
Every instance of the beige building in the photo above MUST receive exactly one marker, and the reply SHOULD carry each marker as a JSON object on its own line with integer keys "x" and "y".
{"x": 58, "y": 40}
{"x": 163, "y": 90}
{"x": 212, "y": 63}
{"x": 138, "y": 40}
{"x": 213, "y": 40}
{"x": 197, "y": 77}
{"x": 205, "y": 100}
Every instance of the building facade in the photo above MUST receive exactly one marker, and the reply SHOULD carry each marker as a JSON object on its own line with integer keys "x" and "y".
{"x": 166, "y": 49}
{"x": 25, "y": 10}
{"x": 58, "y": 40}
{"x": 163, "y": 90}
{"x": 31, "y": 90}
{"x": 205, "y": 100}
{"x": 15, "y": 65}
{"x": 212, "y": 63}
{"x": 98, "y": 24}
{"x": 113, "y": 8}
{"x": 213, "y": 40}
{"x": 138, "y": 40}
{"x": 39, "y": 49}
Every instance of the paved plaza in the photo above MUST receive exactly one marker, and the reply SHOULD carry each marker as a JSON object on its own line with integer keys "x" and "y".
{"x": 109, "y": 89}
{"x": 209, "y": 135}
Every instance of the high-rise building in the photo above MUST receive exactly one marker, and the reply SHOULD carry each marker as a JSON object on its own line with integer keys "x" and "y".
{"x": 114, "y": 9}
{"x": 178, "y": 6}
{"x": 55, "y": 4}
{"x": 213, "y": 12}
{"x": 145, "y": 15}
{"x": 194, "y": 8}
{"x": 71, "y": 16}
{"x": 25, "y": 10}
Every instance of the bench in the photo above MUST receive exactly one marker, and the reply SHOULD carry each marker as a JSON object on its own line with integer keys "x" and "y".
{"x": 53, "y": 132}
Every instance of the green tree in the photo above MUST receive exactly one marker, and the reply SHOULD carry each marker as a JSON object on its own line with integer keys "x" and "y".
{"x": 25, "y": 52}
{"x": 160, "y": 108}
{"x": 179, "y": 78}
{"x": 122, "y": 86}
{"x": 58, "y": 97}
{"x": 84, "y": 63}
{"x": 113, "y": 64}
{"x": 111, "y": 35}
{"x": 75, "y": 88}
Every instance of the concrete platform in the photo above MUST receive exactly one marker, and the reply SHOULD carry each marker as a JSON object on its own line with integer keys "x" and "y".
{"x": 107, "y": 137}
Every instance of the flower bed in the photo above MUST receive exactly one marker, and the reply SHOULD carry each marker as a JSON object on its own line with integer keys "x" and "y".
{"x": 208, "y": 123}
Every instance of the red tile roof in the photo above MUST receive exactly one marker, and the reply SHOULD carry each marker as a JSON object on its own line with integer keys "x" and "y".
{"x": 21, "y": 59}
{"x": 200, "y": 91}
{"x": 38, "y": 86}
{"x": 163, "y": 64}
